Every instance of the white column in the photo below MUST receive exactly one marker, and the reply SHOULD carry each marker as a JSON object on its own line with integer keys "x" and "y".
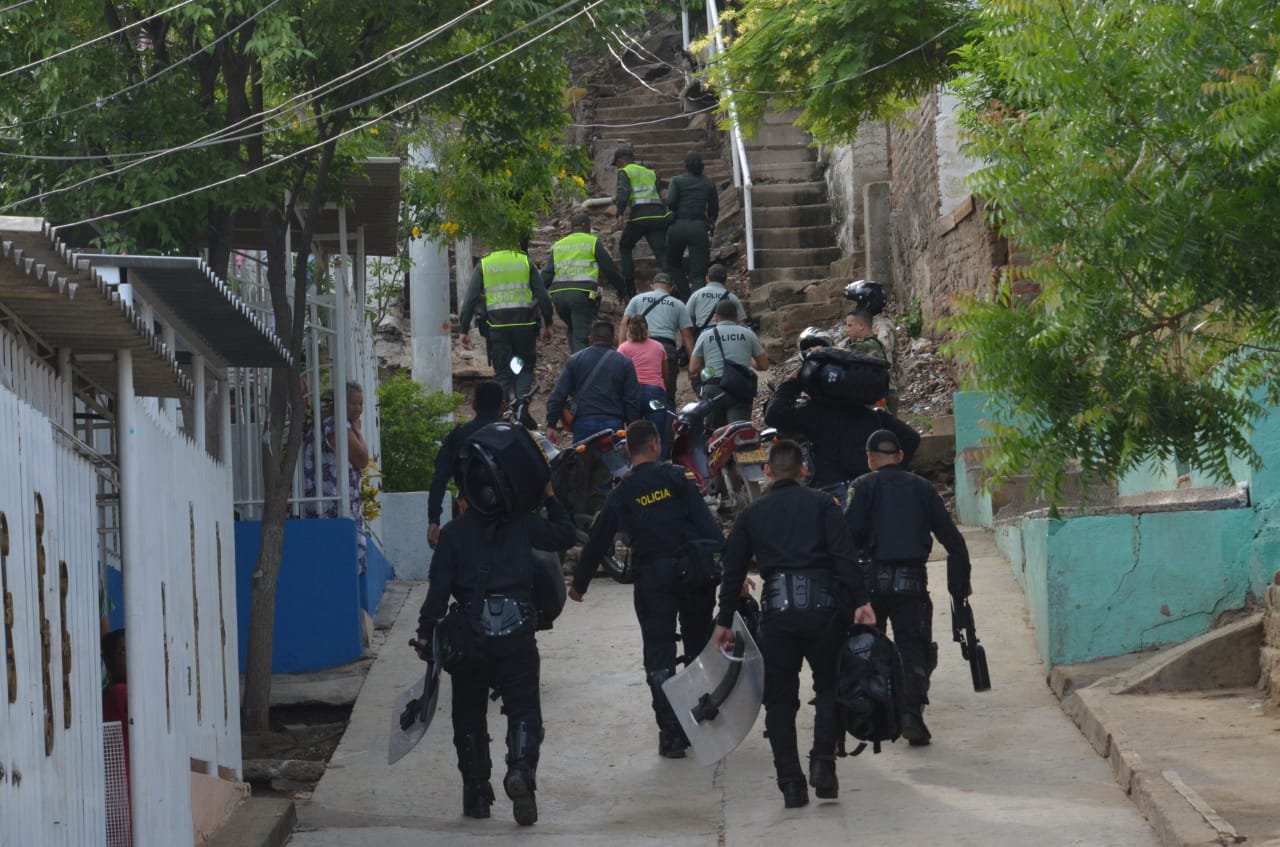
{"x": 198, "y": 410}
{"x": 340, "y": 358}
{"x": 429, "y": 303}
{"x": 169, "y": 405}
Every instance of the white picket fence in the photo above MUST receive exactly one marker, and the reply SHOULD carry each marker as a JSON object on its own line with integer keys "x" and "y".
{"x": 51, "y": 788}
{"x": 179, "y": 613}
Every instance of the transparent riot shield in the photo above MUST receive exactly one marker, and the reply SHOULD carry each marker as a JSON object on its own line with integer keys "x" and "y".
{"x": 717, "y": 697}
{"x": 413, "y": 710}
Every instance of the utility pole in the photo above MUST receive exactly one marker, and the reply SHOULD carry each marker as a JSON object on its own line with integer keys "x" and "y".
{"x": 429, "y": 303}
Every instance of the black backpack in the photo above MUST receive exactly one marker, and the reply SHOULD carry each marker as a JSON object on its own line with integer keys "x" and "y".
{"x": 843, "y": 378}
{"x": 869, "y": 687}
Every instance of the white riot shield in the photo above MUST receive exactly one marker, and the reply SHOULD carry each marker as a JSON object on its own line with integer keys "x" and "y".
{"x": 717, "y": 697}
{"x": 413, "y": 710}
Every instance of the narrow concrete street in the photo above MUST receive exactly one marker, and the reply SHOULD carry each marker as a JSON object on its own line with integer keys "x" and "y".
{"x": 1006, "y": 766}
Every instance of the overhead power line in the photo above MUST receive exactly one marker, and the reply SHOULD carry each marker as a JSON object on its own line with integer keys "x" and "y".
{"x": 344, "y": 133}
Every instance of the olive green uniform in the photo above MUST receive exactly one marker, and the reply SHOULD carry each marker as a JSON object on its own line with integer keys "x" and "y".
{"x": 638, "y": 188}
{"x": 513, "y": 299}
{"x": 871, "y": 346}
{"x": 572, "y": 277}
{"x": 695, "y": 205}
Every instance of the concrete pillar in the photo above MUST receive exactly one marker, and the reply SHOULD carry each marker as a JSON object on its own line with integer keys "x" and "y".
{"x": 198, "y": 410}
{"x": 878, "y": 233}
{"x": 429, "y": 303}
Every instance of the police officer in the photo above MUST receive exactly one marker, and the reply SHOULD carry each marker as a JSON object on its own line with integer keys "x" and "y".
{"x": 494, "y": 547}
{"x": 695, "y": 205}
{"x": 572, "y": 276}
{"x": 488, "y": 405}
{"x": 603, "y": 387}
{"x": 514, "y": 299}
{"x": 668, "y": 325}
{"x": 659, "y": 506}
{"x": 641, "y": 214}
{"x": 726, "y": 340}
{"x": 812, "y": 590}
{"x": 702, "y": 303}
{"x": 891, "y": 515}
{"x": 837, "y": 436}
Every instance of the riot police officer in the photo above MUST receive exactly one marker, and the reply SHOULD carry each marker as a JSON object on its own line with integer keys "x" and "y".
{"x": 891, "y": 516}
{"x": 484, "y": 561}
{"x": 812, "y": 590}
{"x": 695, "y": 205}
{"x": 659, "y": 506}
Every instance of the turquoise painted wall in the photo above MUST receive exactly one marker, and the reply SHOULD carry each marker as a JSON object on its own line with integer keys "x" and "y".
{"x": 973, "y": 506}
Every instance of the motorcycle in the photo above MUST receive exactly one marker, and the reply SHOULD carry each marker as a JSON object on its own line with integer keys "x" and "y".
{"x": 582, "y": 475}
{"x": 728, "y": 464}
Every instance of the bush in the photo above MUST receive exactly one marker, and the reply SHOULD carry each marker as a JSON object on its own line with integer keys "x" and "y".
{"x": 415, "y": 422}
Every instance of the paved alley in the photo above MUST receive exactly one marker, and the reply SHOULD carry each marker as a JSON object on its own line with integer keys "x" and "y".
{"x": 1006, "y": 766}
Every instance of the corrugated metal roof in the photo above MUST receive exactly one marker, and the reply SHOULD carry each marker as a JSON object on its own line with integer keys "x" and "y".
{"x": 373, "y": 201}
{"x": 69, "y": 305}
{"x": 201, "y": 307}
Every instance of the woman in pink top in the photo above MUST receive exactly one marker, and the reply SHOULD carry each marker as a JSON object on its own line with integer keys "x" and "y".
{"x": 651, "y": 363}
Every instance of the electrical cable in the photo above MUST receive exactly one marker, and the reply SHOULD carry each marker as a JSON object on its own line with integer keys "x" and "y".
{"x": 680, "y": 116}
{"x": 83, "y": 44}
{"x": 222, "y": 136}
{"x": 101, "y": 101}
{"x": 16, "y": 6}
{"x": 352, "y": 130}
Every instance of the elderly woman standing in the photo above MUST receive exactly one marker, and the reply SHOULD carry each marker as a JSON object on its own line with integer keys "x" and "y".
{"x": 357, "y": 461}
{"x": 652, "y": 366}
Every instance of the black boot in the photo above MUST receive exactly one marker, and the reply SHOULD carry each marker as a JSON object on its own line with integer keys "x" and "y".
{"x": 672, "y": 742}
{"x": 794, "y": 793}
{"x": 914, "y": 730}
{"x": 475, "y": 766}
{"x": 523, "y": 741}
{"x": 822, "y": 776}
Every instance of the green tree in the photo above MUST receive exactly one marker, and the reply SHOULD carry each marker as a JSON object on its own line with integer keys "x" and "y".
{"x": 415, "y": 422}
{"x": 840, "y": 63}
{"x": 1139, "y": 171}
{"x": 236, "y": 68}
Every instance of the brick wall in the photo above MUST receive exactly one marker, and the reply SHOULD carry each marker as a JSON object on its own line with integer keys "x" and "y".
{"x": 935, "y": 255}
{"x": 1271, "y": 641}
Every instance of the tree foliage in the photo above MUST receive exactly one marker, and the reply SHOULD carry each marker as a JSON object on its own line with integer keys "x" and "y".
{"x": 1133, "y": 154}
{"x": 415, "y": 422}
{"x": 841, "y": 63}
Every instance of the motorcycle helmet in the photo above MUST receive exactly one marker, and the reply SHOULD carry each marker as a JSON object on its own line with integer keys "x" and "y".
{"x": 814, "y": 337}
{"x": 503, "y": 470}
{"x": 867, "y": 294}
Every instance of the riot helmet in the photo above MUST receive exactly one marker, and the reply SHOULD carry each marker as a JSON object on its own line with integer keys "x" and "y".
{"x": 867, "y": 294}
{"x": 813, "y": 336}
{"x": 503, "y": 470}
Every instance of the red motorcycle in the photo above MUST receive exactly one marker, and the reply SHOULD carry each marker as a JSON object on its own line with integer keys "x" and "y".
{"x": 727, "y": 463}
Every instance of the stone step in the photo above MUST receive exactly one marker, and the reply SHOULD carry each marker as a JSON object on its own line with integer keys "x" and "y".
{"x": 764, "y": 276}
{"x": 773, "y": 238}
{"x": 787, "y": 322}
{"x": 774, "y": 295}
{"x": 805, "y": 256}
{"x": 766, "y": 155}
{"x": 779, "y": 135}
{"x": 818, "y": 214}
{"x": 789, "y": 194}
{"x": 638, "y": 96}
{"x": 787, "y": 118}
{"x": 624, "y": 114}
{"x": 785, "y": 172}
{"x": 658, "y": 134}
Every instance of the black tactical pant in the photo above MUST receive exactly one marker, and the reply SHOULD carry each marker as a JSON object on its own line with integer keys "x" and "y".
{"x": 691, "y": 234}
{"x": 577, "y": 309}
{"x": 662, "y": 601}
{"x": 508, "y": 341}
{"x": 654, "y": 232}
{"x": 786, "y": 640}
{"x": 912, "y": 618}
{"x": 510, "y": 666}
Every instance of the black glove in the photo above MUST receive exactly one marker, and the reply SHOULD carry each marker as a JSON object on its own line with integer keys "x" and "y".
{"x": 682, "y": 358}
{"x": 958, "y": 578}
{"x": 423, "y": 646}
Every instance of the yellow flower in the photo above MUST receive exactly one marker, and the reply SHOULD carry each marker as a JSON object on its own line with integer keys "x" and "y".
{"x": 579, "y": 181}
{"x": 373, "y": 130}
{"x": 417, "y": 231}
{"x": 561, "y": 174}
{"x": 507, "y": 171}
{"x": 449, "y": 228}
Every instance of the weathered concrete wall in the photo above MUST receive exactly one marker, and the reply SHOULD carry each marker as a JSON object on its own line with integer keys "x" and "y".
{"x": 937, "y": 252}
{"x": 850, "y": 167}
{"x": 1271, "y": 642}
{"x": 404, "y": 533}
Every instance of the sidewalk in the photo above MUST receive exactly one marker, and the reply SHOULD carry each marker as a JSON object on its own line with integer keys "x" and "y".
{"x": 1006, "y": 766}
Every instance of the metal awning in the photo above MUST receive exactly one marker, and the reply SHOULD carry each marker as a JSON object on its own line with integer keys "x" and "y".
{"x": 188, "y": 295}
{"x": 62, "y": 300}
{"x": 372, "y": 196}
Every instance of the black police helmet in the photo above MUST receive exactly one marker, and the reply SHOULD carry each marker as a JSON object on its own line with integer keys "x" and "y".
{"x": 867, "y": 294}
{"x": 503, "y": 471}
{"x": 813, "y": 336}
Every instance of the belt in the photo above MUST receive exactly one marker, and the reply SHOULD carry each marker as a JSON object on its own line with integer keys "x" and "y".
{"x": 799, "y": 591}
{"x": 886, "y": 578}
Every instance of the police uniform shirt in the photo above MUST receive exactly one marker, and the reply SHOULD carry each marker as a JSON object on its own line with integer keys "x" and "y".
{"x": 666, "y": 320}
{"x": 790, "y": 528}
{"x": 740, "y": 345}
{"x": 469, "y": 540}
{"x": 892, "y": 514}
{"x": 659, "y": 506}
{"x": 703, "y": 302}
{"x": 693, "y": 197}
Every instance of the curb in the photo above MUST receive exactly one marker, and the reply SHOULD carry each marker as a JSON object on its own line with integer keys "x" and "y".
{"x": 258, "y": 822}
{"x": 1178, "y": 815}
